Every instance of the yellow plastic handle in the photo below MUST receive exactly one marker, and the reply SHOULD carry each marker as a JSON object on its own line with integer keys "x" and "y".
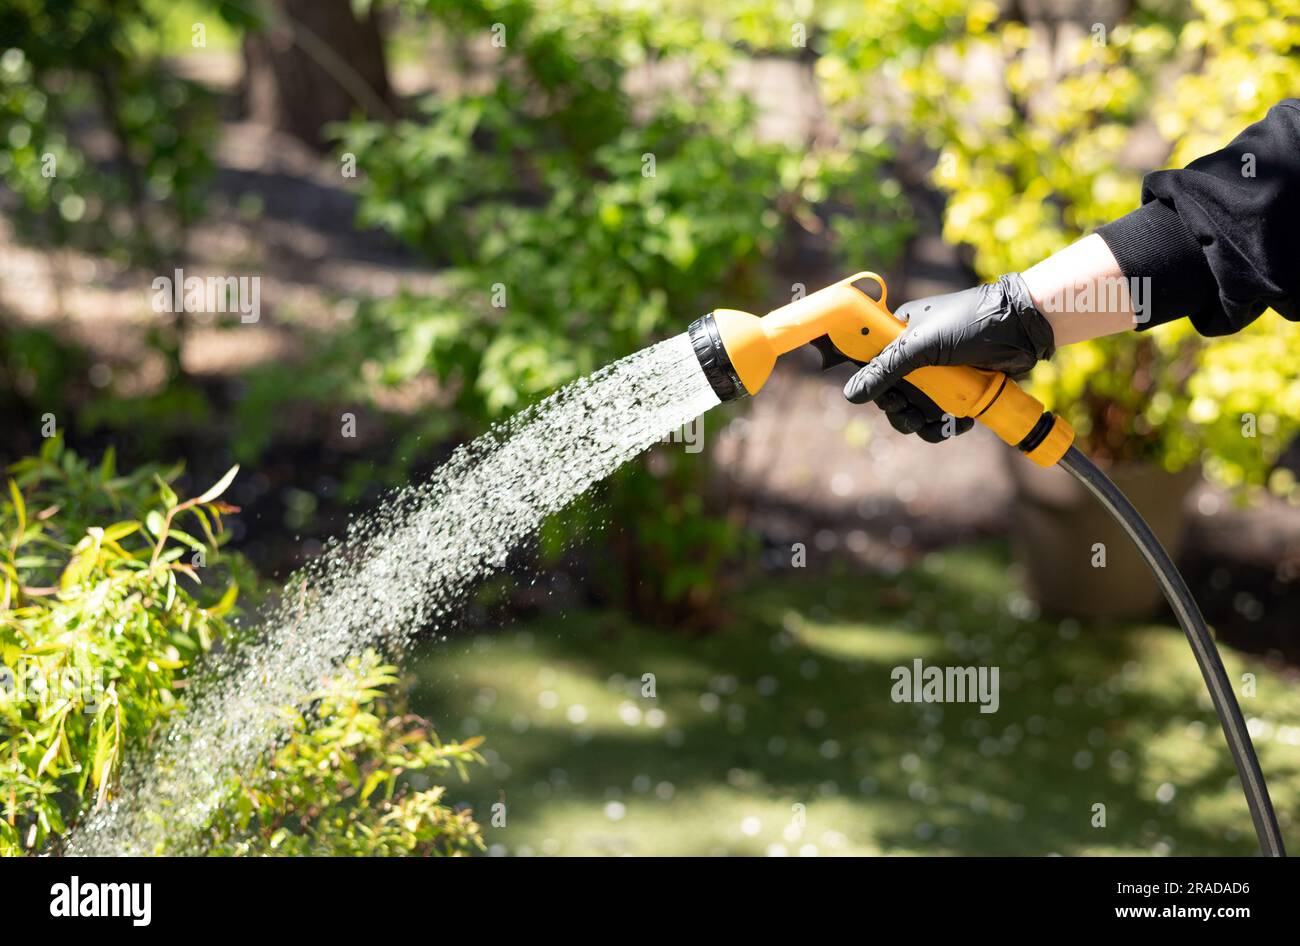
{"x": 853, "y": 313}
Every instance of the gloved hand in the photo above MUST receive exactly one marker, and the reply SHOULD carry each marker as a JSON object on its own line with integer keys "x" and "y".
{"x": 995, "y": 326}
{"x": 910, "y": 411}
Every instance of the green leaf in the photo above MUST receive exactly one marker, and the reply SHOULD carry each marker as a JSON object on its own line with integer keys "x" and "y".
{"x": 227, "y": 601}
{"x": 50, "y": 753}
{"x": 120, "y": 530}
{"x": 373, "y": 781}
{"x": 219, "y": 487}
{"x": 20, "y": 508}
{"x": 167, "y": 494}
{"x": 108, "y": 465}
{"x": 154, "y": 522}
{"x": 187, "y": 539}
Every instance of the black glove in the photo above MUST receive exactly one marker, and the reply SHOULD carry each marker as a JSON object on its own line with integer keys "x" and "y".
{"x": 910, "y": 411}
{"x": 995, "y": 326}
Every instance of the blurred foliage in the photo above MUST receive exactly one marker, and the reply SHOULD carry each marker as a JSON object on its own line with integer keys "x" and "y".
{"x": 579, "y": 222}
{"x": 530, "y": 182}
{"x": 665, "y": 539}
{"x": 106, "y": 150}
{"x": 566, "y": 247}
{"x": 101, "y": 627}
{"x": 587, "y": 187}
{"x": 588, "y": 179}
{"x": 172, "y": 26}
{"x": 1034, "y": 124}
{"x": 98, "y": 630}
{"x": 342, "y": 784}
{"x": 40, "y": 374}
{"x": 65, "y": 61}
{"x": 531, "y": 189}
{"x": 666, "y": 554}
{"x": 1034, "y": 153}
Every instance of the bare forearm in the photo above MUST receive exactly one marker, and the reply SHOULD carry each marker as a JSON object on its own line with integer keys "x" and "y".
{"x": 1082, "y": 292}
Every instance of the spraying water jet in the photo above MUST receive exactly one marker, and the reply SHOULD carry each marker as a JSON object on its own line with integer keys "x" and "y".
{"x": 408, "y": 565}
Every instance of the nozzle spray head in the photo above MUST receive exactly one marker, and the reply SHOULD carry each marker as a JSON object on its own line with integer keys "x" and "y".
{"x": 735, "y": 353}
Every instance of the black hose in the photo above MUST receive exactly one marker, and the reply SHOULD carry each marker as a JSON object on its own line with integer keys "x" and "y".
{"x": 1189, "y": 616}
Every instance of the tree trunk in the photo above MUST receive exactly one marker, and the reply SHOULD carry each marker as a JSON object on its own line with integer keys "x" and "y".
{"x": 315, "y": 63}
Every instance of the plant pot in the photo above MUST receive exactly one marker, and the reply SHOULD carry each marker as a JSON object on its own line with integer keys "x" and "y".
{"x": 1077, "y": 560}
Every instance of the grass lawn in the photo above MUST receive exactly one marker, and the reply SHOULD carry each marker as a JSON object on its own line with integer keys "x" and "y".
{"x": 778, "y": 735}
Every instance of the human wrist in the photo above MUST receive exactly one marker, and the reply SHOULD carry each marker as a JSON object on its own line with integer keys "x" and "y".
{"x": 1081, "y": 292}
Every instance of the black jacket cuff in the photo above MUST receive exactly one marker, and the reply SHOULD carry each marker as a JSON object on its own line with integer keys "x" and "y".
{"x": 1153, "y": 245}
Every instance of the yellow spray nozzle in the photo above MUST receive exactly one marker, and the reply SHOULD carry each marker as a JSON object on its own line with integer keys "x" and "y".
{"x": 737, "y": 351}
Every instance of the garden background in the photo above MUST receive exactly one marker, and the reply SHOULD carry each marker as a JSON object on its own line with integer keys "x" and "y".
{"x": 455, "y": 207}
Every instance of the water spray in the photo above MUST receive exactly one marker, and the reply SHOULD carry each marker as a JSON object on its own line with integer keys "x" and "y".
{"x": 849, "y": 321}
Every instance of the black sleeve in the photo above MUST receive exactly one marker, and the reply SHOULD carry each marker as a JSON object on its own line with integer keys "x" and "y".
{"x": 1220, "y": 239}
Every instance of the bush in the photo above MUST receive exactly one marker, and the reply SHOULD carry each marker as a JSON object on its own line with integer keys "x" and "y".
{"x": 343, "y": 784}
{"x": 580, "y": 223}
{"x": 63, "y": 62}
{"x": 111, "y": 591}
{"x": 102, "y": 616}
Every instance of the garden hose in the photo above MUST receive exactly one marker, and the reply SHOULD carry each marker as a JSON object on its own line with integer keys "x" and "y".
{"x": 1189, "y": 617}
{"x": 849, "y": 321}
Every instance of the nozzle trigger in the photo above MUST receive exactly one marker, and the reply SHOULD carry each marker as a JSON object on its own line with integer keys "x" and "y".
{"x": 831, "y": 356}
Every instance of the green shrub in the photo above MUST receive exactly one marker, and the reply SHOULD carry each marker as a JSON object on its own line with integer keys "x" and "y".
{"x": 343, "y": 784}
{"x": 62, "y": 62}
{"x": 581, "y": 223}
{"x": 664, "y": 549}
{"x": 101, "y": 618}
{"x": 106, "y": 149}
{"x": 111, "y": 591}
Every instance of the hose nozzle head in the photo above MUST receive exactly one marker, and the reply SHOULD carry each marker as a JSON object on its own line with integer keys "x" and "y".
{"x": 734, "y": 352}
